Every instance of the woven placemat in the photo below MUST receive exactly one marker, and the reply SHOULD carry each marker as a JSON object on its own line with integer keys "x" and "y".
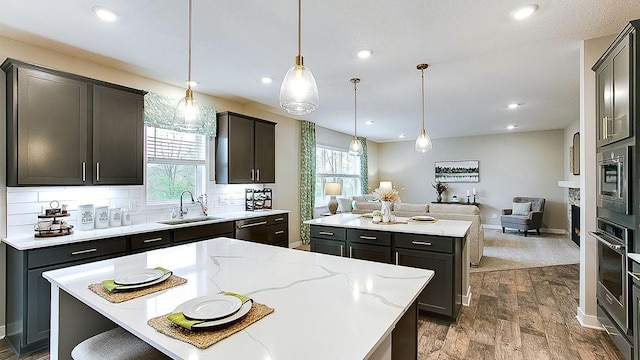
{"x": 423, "y": 221}
{"x": 120, "y": 296}
{"x": 203, "y": 338}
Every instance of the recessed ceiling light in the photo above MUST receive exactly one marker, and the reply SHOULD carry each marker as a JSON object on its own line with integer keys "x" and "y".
{"x": 369, "y": 122}
{"x": 402, "y": 136}
{"x": 192, "y": 83}
{"x": 266, "y": 79}
{"x": 513, "y": 106}
{"x": 365, "y": 53}
{"x": 105, "y": 14}
{"x": 524, "y": 12}
{"x": 511, "y": 127}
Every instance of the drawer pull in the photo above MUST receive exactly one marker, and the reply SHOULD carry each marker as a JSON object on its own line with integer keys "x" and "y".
{"x": 368, "y": 237}
{"x": 325, "y": 233}
{"x": 84, "y": 171}
{"x": 279, "y": 232}
{"x": 350, "y": 252}
{"x": 83, "y": 251}
{"x": 251, "y": 225}
{"x": 278, "y": 219}
{"x": 421, "y": 243}
{"x": 152, "y": 240}
{"x": 341, "y": 250}
{"x": 396, "y": 258}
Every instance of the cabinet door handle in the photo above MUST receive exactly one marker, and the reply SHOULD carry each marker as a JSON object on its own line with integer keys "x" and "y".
{"x": 258, "y": 175}
{"x": 152, "y": 240}
{"x": 278, "y": 219}
{"x": 363, "y": 237}
{"x": 341, "y": 250}
{"x": 79, "y": 252}
{"x": 252, "y": 173}
{"x": 84, "y": 171}
{"x": 97, "y": 171}
{"x": 396, "y": 258}
{"x": 635, "y": 276}
{"x": 605, "y": 127}
{"x": 350, "y": 251}
{"x": 279, "y": 232}
{"x": 325, "y": 233}
{"x": 421, "y": 243}
{"x": 252, "y": 225}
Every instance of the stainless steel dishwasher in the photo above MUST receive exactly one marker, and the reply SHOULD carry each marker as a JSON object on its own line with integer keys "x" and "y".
{"x": 254, "y": 229}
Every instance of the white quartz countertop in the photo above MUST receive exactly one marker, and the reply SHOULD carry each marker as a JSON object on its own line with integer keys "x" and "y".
{"x": 31, "y": 242}
{"x": 452, "y": 228}
{"x": 326, "y": 307}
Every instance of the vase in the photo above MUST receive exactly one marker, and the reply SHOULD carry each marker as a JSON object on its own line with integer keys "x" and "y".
{"x": 439, "y": 198}
{"x": 386, "y": 211}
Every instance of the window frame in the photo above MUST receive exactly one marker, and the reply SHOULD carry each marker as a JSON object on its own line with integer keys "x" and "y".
{"x": 335, "y": 177}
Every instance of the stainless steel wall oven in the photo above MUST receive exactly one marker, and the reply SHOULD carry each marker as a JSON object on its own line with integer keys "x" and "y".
{"x": 614, "y": 179}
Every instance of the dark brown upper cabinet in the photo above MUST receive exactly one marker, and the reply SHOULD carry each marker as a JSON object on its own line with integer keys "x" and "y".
{"x": 65, "y": 129}
{"x": 615, "y": 86}
{"x": 245, "y": 150}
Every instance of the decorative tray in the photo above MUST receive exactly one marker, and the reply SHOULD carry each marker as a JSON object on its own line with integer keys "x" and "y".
{"x": 388, "y": 223}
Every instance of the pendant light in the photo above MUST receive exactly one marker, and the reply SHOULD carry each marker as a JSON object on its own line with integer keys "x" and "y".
{"x": 188, "y": 115}
{"x": 299, "y": 92}
{"x": 423, "y": 142}
{"x": 355, "y": 148}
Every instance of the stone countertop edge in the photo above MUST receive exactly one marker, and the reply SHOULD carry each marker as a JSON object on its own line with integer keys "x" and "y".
{"x": 29, "y": 242}
{"x": 442, "y": 227}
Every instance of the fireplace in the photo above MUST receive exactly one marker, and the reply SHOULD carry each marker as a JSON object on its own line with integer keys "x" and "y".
{"x": 575, "y": 224}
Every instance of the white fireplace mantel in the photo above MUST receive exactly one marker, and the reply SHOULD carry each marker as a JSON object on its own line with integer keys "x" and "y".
{"x": 569, "y": 184}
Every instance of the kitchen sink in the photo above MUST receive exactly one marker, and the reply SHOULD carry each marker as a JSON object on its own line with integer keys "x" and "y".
{"x": 190, "y": 220}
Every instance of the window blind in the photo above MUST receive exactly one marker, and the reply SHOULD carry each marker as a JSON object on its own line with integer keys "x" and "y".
{"x": 174, "y": 147}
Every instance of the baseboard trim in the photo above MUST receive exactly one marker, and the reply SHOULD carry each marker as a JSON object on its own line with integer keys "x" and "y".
{"x": 543, "y": 230}
{"x": 466, "y": 299}
{"x": 3, "y": 332}
{"x": 588, "y": 321}
{"x": 294, "y": 245}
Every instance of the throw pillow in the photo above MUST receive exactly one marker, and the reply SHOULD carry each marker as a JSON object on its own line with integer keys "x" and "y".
{"x": 521, "y": 208}
{"x": 344, "y": 205}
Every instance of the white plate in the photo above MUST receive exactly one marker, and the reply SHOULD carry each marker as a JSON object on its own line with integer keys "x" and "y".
{"x": 244, "y": 310}
{"x": 138, "y": 286}
{"x": 367, "y": 215}
{"x": 423, "y": 218}
{"x": 211, "y": 307}
{"x": 139, "y": 277}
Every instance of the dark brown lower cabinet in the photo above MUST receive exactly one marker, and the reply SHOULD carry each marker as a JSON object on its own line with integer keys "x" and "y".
{"x": 271, "y": 230}
{"x": 443, "y": 295}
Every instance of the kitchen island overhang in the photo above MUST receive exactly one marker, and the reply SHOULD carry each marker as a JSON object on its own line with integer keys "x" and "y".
{"x": 356, "y": 306}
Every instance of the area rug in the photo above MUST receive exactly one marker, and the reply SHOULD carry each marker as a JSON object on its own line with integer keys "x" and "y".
{"x": 514, "y": 251}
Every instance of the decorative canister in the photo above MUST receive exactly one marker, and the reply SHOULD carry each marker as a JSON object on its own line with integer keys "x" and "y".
{"x": 85, "y": 217}
{"x": 102, "y": 217}
{"x": 126, "y": 216}
{"x": 115, "y": 217}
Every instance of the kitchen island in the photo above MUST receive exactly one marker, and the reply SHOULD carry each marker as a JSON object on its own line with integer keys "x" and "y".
{"x": 325, "y": 307}
{"x": 438, "y": 245}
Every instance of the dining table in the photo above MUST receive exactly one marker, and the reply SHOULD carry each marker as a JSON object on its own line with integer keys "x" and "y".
{"x": 324, "y": 307}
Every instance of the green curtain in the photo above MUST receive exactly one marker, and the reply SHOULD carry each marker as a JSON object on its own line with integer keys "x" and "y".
{"x": 307, "y": 176}
{"x": 159, "y": 110}
{"x": 364, "y": 166}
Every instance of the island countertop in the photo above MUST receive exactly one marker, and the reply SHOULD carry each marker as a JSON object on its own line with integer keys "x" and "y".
{"x": 441, "y": 227}
{"x": 326, "y": 307}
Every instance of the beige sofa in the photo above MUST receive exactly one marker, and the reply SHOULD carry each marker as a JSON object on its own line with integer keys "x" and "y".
{"x": 471, "y": 213}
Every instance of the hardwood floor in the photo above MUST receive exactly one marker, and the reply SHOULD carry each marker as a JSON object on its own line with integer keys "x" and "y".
{"x": 514, "y": 314}
{"x": 518, "y": 314}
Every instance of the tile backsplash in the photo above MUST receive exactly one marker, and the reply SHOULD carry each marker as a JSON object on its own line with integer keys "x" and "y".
{"x": 24, "y": 204}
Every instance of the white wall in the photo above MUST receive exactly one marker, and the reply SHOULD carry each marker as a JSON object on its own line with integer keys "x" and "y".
{"x": 514, "y": 164}
{"x": 591, "y": 50}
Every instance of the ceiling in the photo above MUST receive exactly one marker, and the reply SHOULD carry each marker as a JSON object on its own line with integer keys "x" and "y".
{"x": 480, "y": 59}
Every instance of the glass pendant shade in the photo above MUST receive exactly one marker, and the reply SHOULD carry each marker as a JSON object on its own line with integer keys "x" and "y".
{"x": 423, "y": 142}
{"x": 299, "y": 92}
{"x": 355, "y": 148}
{"x": 188, "y": 115}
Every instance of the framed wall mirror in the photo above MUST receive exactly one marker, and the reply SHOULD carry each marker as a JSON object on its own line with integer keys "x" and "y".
{"x": 576, "y": 154}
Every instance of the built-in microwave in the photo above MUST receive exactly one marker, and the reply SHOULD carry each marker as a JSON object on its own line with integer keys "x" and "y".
{"x": 614, "y": 173}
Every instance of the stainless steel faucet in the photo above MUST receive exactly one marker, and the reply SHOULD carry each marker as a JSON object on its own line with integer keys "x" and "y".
{"x": 184, "y": 210}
